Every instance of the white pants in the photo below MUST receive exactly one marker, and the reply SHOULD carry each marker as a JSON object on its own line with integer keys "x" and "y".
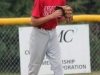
{"x": 44, "y": 42}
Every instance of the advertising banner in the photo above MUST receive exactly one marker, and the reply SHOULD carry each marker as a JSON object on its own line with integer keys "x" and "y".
{"x": 75, "y": 49}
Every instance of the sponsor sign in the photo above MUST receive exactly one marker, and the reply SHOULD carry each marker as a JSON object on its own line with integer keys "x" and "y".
{"x": 75, "y": 49}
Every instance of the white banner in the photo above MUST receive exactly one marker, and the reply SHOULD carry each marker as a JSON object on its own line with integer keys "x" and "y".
{"x": 75, "y": 49}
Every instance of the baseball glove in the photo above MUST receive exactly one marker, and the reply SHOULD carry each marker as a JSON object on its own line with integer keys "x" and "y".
{"x": 66, "y": 11}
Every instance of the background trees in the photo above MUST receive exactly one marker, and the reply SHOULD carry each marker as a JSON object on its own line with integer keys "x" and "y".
{"x": 22, "y": 8}
{"x": 15, "y": 8}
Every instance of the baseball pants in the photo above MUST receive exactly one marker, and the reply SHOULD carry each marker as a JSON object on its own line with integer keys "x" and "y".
{"x": 44, "y": 42}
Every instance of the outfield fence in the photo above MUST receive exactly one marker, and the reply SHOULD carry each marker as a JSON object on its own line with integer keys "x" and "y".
{"x": 9, "y": 47}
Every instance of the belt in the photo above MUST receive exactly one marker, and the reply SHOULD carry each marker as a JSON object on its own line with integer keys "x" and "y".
{"x": 45, "y": 28}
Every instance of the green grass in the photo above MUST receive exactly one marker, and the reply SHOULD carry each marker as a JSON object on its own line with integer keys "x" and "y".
{"x": 93, "y": 73}
{"x": 9, "y": 74}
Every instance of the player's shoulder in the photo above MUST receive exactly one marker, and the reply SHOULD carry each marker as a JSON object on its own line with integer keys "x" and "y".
{"x": 38, "y": 1}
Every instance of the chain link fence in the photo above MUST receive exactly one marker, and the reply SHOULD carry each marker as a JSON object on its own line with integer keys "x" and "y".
{"x": 10, "y": 57}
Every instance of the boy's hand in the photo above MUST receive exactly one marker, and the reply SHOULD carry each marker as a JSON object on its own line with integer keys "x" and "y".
{"x": 56, "y": 14}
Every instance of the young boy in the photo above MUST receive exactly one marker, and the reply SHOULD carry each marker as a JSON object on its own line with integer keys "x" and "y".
{"x": 43, "y": 40}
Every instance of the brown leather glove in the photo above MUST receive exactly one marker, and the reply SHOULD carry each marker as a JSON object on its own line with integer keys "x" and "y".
{"x": 66, "y": 11}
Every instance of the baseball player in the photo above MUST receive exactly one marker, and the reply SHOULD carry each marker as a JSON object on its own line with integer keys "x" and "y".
{"x": 43, "y": 39}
